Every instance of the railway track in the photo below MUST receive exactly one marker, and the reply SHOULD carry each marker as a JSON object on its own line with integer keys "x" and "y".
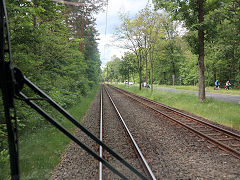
{"x": 110, "y": 132}
{"x": 221, "y": 138}
{"x": 171, "y": 151}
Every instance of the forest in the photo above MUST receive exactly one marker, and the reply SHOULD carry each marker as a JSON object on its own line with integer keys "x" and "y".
{"x": 187, "y": 42}
{"x": 180, "y": 43}
{"x": 55, "y": 46}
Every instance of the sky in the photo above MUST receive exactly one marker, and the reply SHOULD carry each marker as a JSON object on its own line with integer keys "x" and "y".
{"x": 106, "y": 47}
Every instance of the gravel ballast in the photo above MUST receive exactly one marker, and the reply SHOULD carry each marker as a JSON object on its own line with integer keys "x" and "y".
{"x": 171, "y": 151}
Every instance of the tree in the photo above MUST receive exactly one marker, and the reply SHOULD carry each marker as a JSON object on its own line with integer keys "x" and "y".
{"x": 129, "y": 32}
{"x": 223, "y": 44}
{"x": 151, "y": 29}
{"x": 171, "y": 49}
{"x": 154, "y": 39}
{"x": 192, "y": 13}
{"x": 47, "y": 52}
{"x": 80, "y": 19}
{"x": 128, "y": 66}
{"x": 140, "y": 35}
{"x": 113, "y": 69}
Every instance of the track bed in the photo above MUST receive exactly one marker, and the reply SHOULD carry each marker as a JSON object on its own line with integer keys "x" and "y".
{"x": 171, "y": 151}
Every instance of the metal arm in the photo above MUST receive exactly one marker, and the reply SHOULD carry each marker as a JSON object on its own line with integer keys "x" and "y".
{"x": 7, "y": 87}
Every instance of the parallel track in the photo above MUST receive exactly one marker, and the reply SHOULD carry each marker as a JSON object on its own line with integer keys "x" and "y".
{"x": 222, "y": 138}
{"x": 147, "y": 169}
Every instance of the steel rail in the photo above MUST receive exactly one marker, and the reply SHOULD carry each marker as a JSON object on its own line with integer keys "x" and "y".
{"x": 222, "y": 146}
{"x": 184, "y": 114}
{"x": 101, "y": 132}
{"x": 68, "y": 134}
{"x": 77, "y": 124}
{"x": 196, "y": 119}
{"x": 132, "y": 139}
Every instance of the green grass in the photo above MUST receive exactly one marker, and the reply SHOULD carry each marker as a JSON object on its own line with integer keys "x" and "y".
{"x": 208, "y": 89}
{"x": 42, "y": 147}
{"x": 225, "y": 113}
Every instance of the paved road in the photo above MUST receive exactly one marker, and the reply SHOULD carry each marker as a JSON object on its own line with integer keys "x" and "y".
{"x": 221, "y": 97}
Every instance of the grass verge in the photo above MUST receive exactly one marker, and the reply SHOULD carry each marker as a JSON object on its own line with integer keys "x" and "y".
{"x": 225, "y": 113}
{"x": 42, "y": 147}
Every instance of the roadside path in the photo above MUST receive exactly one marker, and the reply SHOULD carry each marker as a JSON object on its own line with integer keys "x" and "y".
{"x": 217, "y": 96}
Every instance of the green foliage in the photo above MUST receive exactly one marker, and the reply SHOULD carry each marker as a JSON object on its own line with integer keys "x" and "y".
{"x": 173, "y": 54}
{"x": 113, "y": 69}
{"x": 221, "y": 28}
{"x": 45, "y": 47}
{"x": 192, "y": 39}
{"x": 184, "y": 10}
{"x": 223, "y": 45}
{"x": 42, "y": 145}
{"x": 139, "y": 35}
{"x": 4, "y": 157}
{"x": 170, "y": 55}
{"x": 128, "y": 66}
{"x": 81, "y": 21}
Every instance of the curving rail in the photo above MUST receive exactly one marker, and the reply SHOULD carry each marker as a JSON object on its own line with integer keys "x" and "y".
{"x": 222, "y": 138}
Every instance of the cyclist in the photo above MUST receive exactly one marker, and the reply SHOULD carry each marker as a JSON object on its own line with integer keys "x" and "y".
{"x": 217, "y": 84}
{"x": 227, "y": 85}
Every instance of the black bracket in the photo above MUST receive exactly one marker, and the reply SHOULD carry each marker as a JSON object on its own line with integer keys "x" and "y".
{"x": 7, "y": 82}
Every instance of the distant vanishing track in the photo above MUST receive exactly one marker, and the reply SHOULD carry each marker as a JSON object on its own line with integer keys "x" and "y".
{"x": 132, "y": 143}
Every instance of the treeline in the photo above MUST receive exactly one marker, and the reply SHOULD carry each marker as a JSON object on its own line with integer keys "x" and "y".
{"x": 55, "y": 46}
{"x": 162, "y": 52}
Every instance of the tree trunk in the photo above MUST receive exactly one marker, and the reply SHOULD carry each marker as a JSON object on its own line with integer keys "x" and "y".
{"x": 151, "y": 63}
{"x": 140, "y": 78}
{"x": 132, "y": 75}
{"x": 201, "y": 80}
{"x": 214, "y": 73}
{"x": 128, "y": 77}
{"x": 139, "y": 56}
{"x": 34, "y": 25}
{"x": 146, "y": 72}
{"x": 145, "y": 55}
{"x": 35, "y": 21}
